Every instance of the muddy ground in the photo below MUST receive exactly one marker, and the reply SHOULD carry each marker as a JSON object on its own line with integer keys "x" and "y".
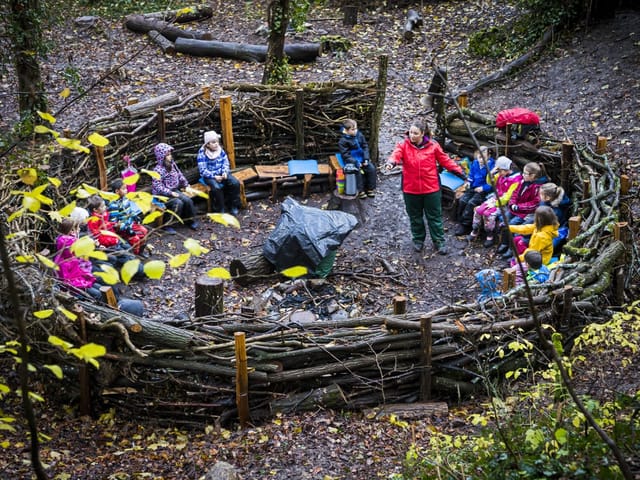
{"x": 586, "y": 85}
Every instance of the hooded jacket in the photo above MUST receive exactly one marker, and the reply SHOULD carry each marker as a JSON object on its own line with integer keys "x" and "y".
{"x": 526, "y": 198}
{"x": 354, "y": 148}
{"x": 420, "y": 165}
{"x": 170, "y": 179}
{"x": 73, "y": 270}
{"x": 541, "y": 240}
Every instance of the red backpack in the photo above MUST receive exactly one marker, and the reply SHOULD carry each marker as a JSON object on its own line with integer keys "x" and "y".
{"x": 522, "y": 122}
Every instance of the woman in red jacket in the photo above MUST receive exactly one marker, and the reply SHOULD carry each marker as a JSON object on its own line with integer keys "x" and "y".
{"x": 420, "y": 157}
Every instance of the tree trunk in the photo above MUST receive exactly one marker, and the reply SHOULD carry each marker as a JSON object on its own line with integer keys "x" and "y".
{"x": 26, "y": 38}
{"x": 149, "y": 106}
{"x": 192, "y": 14}
{"x": 278, "y": 19}
{"x": 296, "y": 52}
{"x": 252, "y": 265}
{"x": 163, "y": 42}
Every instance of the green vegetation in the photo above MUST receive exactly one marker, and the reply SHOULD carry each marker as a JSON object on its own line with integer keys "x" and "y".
{"x": 539, "y": 432}
{"x": 512, "y": 40}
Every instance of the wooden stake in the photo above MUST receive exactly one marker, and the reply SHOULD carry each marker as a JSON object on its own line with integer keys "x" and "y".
{"x": 399, "y": 305}
{"x": 102, "y": 167}
{"x": 132, "y": 101}
{"x": 508, "y": 278}
{"x": 162, "y": 125}
{"x": 619, "y": 285}
{"x": 507, "y": 134}
{"x": 625, "y": 184}
{"x": 209, "y": 296}
{"x": 566, "y": 164}
{"x": 426, "y": 342}
{"x": 601, "y": 145}
{"x": 108, "y": 296}
{"x": 463, "y": 100}
{"x": 206, "y": 93}
{"x": 574, "y": 227}
{"x": 299, "y": 123}
{"x": 586, "y": 187}
{"x": 242, "y": 379}
{"x": 226, "y": 120}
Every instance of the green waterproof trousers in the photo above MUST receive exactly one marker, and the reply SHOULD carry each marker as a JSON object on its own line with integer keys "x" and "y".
{"x": 427, "y": 205}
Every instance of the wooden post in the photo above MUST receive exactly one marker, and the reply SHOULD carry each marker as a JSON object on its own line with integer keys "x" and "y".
{"x": 242, "y": 379}
{"x": 399, "y": 305}
{"x": 601, "y": 145}
{"x": 376, "y": 115}
{"x": 566, "y": 164}
{"x": 206, "y": 93}
{"x": 586, "y": 187}
{"x": 463, "y": 100}
{"x": 108, "y": 296}
{"x": 508, "y": 278}
{"x": 618, "y": 283}
{"x": 574, "y": 227}
{"x": 132, "y": 101}
{"x": 102, "y": 167}
{"x": 306, "y": 184}
{"x": 83, "y": 370}
{"x": 226, "y": 120}
{"x": 209, "y": 296}
{"x": 299, "y": 123}
{"x": 625, "y": 185}
{"x": 162, "y": 125}
{"x": 350, "y": 13}
{"x": 507, "y": 139}
{"x": 426, "y": 342}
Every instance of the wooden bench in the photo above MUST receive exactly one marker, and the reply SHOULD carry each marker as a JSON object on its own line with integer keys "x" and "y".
{"x": 244, "y": 175}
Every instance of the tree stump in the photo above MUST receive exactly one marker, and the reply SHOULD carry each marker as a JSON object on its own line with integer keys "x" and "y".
{"x": 349, "y": 204}
{"x": 209, "y": 296}
{"x": 252, "y": 265}
{"x": 350, "y": 15}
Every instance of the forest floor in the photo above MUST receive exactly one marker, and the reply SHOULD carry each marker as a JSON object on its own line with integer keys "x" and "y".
{"x": 584, "y": 86}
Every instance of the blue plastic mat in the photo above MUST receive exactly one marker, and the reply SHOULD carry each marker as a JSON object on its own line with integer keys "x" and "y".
{"x": 303, "y": 167}
{"x": 449, "y": 180}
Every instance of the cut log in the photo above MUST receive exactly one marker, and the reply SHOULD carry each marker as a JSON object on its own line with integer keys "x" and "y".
{"x": 296, "y": 52}
{"x": 209, "y": 296}
{"x": 413, "y": 411}
{"x": 250, "y": 267}
{"x": 141, "y": 24}
{"x": 163, "y": 42}
{"x": 184, "y": 15}
{"x": 327, "y": 397}
{"x": 413, "y": 22}
{"x": 350, "y": 204}
{"x": 149, "y": 106}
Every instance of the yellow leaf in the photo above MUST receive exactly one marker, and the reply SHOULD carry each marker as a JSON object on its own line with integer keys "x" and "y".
{"x": 46, "y": 262}
{"x": 82, "y": 194}
{"x": 225, "y": 219}
{"x": 98, "y": 140}
{"x": 28, "y": 175}
{"x": 90, "y": 350}
{"x": 65, "y": 93}
{"x": 154, "y": 269}
{"x": 98, "y": 255}
{"x": 70, "y": 315}
{"x": 55, "y": 216}
{"x": 109, "y": 274}
{"x": 152, "y": 173}
{"x": 109, "y": 196}
{"x": 43, "y": 313}
{"x": 16, "y": 214}
{"x": 131, "y": 179}
{"x": 294, "y": 272}
{"x": 47, "y": 117}
{"x": 57, "y": 371}
{"x": 67, "y": 209}
{"x": 194, "y": 247}
{"x": 178, "y": 260}
{"x": 25, "y": 259}
{"x": 58, "y": 342}
{"x": 83, "y": 246}
{"x": 42, "y": 129}
{"x": 219, "y": 272}
{"x": 54, "y": 181}
{"x": 150, "y": 218}
{"x": 91, "y": 190}
{"x": 129, "y": 269}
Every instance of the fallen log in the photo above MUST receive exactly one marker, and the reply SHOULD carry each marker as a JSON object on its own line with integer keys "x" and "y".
{"x": 163, "y": 42}
{"x": 327, "y": 397}
{"x": 149, "y": 106}
{"x": 296, "y": 52}
{"x": 414, "y": 411}
{"x": 140, "y": 24}
{"x": 184, "y": 15}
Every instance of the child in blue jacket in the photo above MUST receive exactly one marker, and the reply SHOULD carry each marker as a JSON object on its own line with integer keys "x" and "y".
{"x": 476, "y": 192}
{"x": 354, "y": 150}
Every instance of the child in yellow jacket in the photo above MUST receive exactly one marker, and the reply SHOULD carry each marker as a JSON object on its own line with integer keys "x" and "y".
{"x": 543, "y": 230}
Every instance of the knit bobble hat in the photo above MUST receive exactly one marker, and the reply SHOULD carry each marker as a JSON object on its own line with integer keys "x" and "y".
{"x": 161, "y": 150}
{"x": 211, "y": 136}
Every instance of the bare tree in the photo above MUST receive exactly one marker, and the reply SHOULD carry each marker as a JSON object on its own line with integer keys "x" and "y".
{"x": 276, "y": 69}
